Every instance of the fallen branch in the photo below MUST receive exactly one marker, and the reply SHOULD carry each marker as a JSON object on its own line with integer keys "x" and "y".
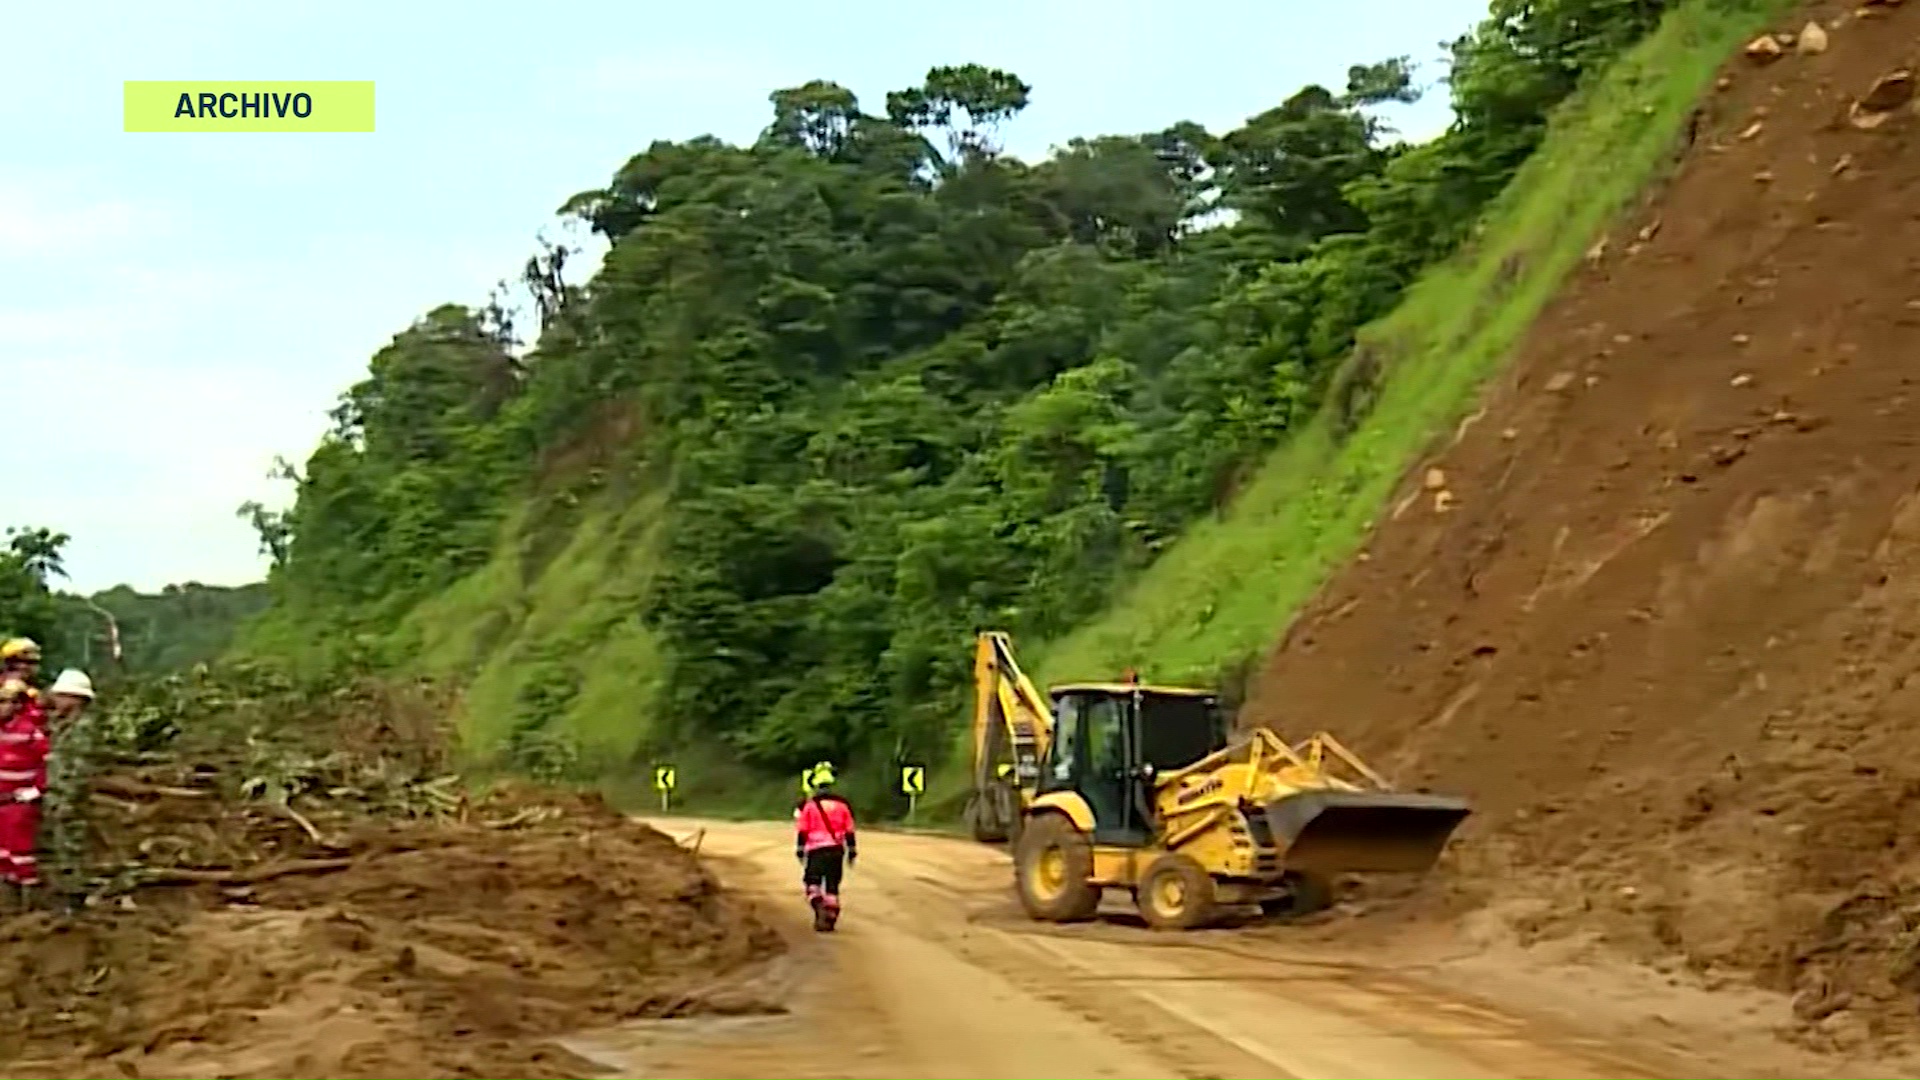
{"x": 300, "y": 820}
{"x": 252, "y": 876}
{"x": 531, "y": 815}
{"x": 135, "y": 789}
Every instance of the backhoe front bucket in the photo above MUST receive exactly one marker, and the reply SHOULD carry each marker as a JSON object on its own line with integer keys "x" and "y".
{"x": 1333, "y": 832}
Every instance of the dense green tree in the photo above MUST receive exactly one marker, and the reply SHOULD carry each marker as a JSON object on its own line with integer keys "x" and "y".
{"x": 30, "y": 561}
{"x": 406, "y": 489}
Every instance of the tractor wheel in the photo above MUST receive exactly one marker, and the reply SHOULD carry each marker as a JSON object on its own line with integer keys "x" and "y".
{"x": 1176, "y": 893}
{"x": 1053, "y": 867}
{"x": 1306, "y": 894}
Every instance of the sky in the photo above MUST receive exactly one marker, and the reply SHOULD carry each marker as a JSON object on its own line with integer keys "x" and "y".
{"x": 176, "y": 310}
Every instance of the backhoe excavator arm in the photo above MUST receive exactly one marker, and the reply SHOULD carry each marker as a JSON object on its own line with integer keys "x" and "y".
{"x": 1012, "y": 728}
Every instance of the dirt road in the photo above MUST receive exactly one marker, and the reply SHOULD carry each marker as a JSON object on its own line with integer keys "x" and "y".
{"x": 935, "y": 973}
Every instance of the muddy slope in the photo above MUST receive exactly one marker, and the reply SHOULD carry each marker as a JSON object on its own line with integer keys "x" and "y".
{"x": 1657, "y": 608}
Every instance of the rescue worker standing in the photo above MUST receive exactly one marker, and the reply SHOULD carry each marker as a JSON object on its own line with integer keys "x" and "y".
{"x": 23, "y": 779}
{"x": 70, "y": 695}
{"x": 20, "y": 659}
{"x": 70, "y": 763}
{"x": 824, "y": 843}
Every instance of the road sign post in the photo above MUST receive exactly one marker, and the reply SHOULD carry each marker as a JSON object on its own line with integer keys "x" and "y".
{"x": 664, "y": 778}
{"x": 913, "y": 782}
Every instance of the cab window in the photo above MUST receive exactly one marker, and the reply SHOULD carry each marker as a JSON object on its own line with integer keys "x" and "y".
{"x": 1066, "y": 742}
{"x": 1106, "y": 737}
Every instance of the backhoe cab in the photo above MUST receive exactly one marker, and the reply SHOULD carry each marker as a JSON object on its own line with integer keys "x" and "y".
{"x": 1147, "y": 789}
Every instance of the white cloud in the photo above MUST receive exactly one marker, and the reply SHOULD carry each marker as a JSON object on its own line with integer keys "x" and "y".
{"x": 620, "y": 74}
{"x": 163, "y": 384}
{"x": 34, "y": 221}
{"x": 107, "y": 327}
{"x": 152, "y": 461}
{"x": 26, "y": 331}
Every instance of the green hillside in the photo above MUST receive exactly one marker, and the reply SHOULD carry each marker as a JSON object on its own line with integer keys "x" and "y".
{"x": 838, "y": 398}
{"x": 175, "y": 628}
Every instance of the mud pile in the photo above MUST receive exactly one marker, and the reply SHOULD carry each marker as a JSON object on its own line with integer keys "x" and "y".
{"x": 288, "y": 880}
{"x": 415, "y": 950}
{"x": 1656, "y": 607}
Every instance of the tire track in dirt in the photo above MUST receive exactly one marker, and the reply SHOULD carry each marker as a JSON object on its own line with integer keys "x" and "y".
{"x": 935, "y": 952}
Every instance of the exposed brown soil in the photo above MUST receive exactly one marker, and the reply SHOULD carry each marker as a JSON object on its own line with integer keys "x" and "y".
{"x": 438, "y": 950}
{"x": 1658, "y": 610}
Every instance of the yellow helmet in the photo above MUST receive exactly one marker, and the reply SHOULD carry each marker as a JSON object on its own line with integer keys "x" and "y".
{"x": 820, "y": 776}
{"x": 14, "y": 690}
{"x": 20, "y": 649}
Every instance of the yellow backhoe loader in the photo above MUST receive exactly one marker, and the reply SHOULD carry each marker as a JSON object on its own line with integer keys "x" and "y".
{"x": 1146, "y": 789}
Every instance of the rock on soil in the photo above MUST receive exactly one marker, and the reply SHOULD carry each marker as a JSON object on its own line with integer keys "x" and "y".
{"x": 441, "y": 950}
{"x": 1671, "y": 645}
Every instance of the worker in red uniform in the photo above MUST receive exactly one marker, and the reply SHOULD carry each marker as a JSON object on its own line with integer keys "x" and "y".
{"x": 20, "y": 659}
{"x": 824, "y": 843}
{"x": 23, "y": 778}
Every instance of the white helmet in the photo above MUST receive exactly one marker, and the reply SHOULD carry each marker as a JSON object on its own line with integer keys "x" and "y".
{"x": 73, "y": 681}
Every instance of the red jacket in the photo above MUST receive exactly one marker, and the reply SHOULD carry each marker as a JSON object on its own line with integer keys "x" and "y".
{"x": 824, "y": 821}
{"x": 23, "y": 751}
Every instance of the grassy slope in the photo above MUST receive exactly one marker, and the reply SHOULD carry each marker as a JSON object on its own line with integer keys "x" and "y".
{"x": 1229, "y": 587}
{"x": 516, "y": 620}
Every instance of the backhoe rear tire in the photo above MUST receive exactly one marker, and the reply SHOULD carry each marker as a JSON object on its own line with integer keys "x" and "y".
{"x": 1053, "y": 867}
{"x": 1176, "y": 893}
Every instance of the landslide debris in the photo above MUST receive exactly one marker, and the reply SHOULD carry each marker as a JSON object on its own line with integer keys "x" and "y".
{"x": 1668, "y": 636}
{"x": 288, "y": 888}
